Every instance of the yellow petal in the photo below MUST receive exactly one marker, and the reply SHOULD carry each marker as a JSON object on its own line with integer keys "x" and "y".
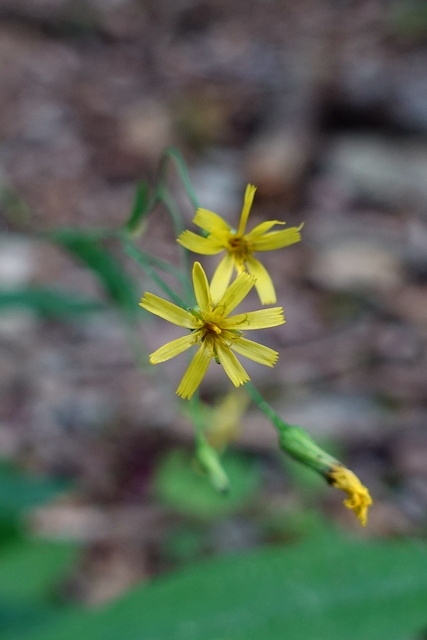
{"x": 235, "y": 293}
{"x": 261, "y": 319}
{"x": 232, "y": 366}
{"x": 263, "y": 284}
{"x": 172, "y": 349}
{"x": 255, "y": 351}
{"x": 210, "y": 221}
{"x": 193, "y": 242}
{"x": 195, "y": 372}
{"x": 359, "y": 499}
{"x": 221, "y": 278}
{"x": 168, "y": 311}
{"x": 277, "y": 239}
{"x": 201, "y": 288}
{"x": 261, "y": 229}
{"x": 247, "y": 204}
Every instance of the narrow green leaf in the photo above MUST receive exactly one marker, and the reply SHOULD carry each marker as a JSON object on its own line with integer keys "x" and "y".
{"x": 140, "y": 206}
{"x": 47, "y": 302}
{"x": 171, "y": 153}
{"x": 98, "y": 259}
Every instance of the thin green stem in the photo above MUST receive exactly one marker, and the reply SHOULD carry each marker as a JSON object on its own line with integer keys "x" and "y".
{"x": 143, "y": 258}
{"x": 263, "y": 406}
{"x": 173, "y": 154}
{"x": 139, "y": 257}
{"x": 178, "y": 227}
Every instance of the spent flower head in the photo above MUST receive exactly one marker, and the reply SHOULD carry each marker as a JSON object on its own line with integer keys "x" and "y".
{"x": 359, "y": 498}
{"x": 239, "y": 246}
{"x": 217, "y": 334}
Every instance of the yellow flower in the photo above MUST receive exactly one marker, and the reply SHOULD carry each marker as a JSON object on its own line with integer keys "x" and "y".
{"x": 216, "y": 332}
{"x": 239, "y": 246}
{"x": 359, "y": 498}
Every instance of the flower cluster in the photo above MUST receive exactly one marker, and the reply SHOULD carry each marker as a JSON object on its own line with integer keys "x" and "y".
{"x": 218, "y": 334}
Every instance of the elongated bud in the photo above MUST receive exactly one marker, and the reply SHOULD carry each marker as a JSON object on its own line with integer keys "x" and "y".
{"x": 210, "y": 463}
{"x": 299, "y": 445}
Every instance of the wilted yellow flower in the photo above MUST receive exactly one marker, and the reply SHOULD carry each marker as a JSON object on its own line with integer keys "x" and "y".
{"x": 239, "y": 246}
{"x": 217, "y": 333}
{"x": 224, "y": 420}
{"x": 359, "y": 498}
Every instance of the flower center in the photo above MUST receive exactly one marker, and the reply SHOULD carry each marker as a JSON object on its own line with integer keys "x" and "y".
{"x": 240, "y": 247}
{"x": 212, "y": 327}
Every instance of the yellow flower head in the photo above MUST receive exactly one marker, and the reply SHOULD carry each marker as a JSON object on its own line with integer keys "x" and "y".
{"x": 217, "y": 333}
{"x": 239, "y": 246}
{"x": 359, "y": 498}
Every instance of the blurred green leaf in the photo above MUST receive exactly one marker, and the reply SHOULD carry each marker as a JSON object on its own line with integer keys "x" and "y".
{"x": 47, "y": 302}
{"x": 179, "y": 484}
{"x": 409, "y": 18}
{"x": 140, "y": 207}
{"x": 20, "y": 491}
{"x": 324, "y": 588}
{"x": 28, "y": 568}
{"x": 30, "y": 571}
{"x": 87, "y": 248}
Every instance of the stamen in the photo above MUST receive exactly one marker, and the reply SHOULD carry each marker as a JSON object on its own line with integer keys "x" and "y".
{"x": 213, "y": 328}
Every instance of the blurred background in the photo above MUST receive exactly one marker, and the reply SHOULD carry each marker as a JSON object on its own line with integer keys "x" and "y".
{"x": 321, "y": 105}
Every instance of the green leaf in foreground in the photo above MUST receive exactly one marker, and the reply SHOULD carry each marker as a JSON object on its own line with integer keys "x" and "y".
{"x": 324, "y": 588}
{"x": 30, "y": 571}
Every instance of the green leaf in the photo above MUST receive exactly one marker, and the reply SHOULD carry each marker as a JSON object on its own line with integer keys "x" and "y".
{"x": 29, "y": 567}
{"x": 141, "y": 206}
{"x": 48, "y": 302}
{"x": 87, "y": 248}
{"x": 179, "y": 484}
{"x": 30, "y": 571}
{"x": 326, "y": 587}
{"x": 20, "y": 491}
